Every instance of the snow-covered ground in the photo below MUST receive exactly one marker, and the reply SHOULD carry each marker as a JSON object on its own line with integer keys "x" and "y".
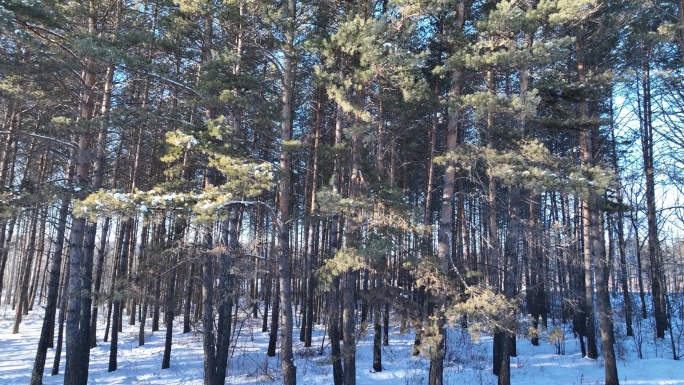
{"x": 467, "y": 362}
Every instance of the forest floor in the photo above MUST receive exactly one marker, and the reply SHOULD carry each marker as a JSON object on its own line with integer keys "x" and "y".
{"x": 467, "y": 362}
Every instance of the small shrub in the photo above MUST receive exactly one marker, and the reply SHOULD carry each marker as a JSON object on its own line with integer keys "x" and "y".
{"x": 556, "y": 337}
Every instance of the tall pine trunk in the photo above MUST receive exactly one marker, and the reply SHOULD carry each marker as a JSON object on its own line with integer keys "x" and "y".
{"x": 76, "y": 372}
{"x": 285, "y": 158}
{"x": 51, "y": 303}
{"x": 444, "y": 255}
{"x": 334, "y": 298}
{"x": 118, "y": 292}
{"x": 589, "y": 208}
{"x": 658, "y": 289}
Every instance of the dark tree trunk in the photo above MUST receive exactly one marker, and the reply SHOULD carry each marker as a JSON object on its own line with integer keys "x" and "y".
{"x": 73, "y": 374}
{"x": 312, "y": 236}
{"x": 188, "y": 299}
{"x": 385, "y": 325}
{"x": 504, "y": 340}
{"x": 605, "y": 311}
{"x": 87, "y": 299}
{"x": 112, "y": 282}
{"x": 444, "y": 249}
{"x": 24, "y": 279}
{"x": 620, "y": 225}
{"x": 78, "y": 352}
{"x": 640, "y": 275}
{"x": 60, "y": 323}
{"x": 229, "y": 240}
{"x": 39, "y": 273}
{"x": 120, "y": 278}
{"x": 156, "y": 304}
{"x": 209, "y": 342}
{"x": 377, "y": 334}
{"x": 536, "y": 261}
{"x": 52, "y": 294}
{"x": 275, "y": 312}
{"x": 349, "y": 327}
{"x": 143, "y": 316}
{"x": 334, "y": 297}
{"x": 589, "y": 208}
{"x": 7, "y": 164}
{"x": 334, "y": 331}
{"x": 658, "y": 289}
{"x": 284, "y": 259}
{"x": 267, "y": 301}
{"x": 504, "y": 363}
{"x": 169, "y": 313}
{"x": 99, "y": 267}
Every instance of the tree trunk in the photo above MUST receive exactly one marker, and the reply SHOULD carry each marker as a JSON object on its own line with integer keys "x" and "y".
{"x": 7, "y": 163}
{"x": 188, "y": 299}
{"x": 377, "y": 331}
{"x": 52, "y": 291}
{"x": 120, "y": 278}
{"x": 156, "y": 307}
{"x": 25, "y": 276}
{"x": 312, "y": 234}
{"x": 60, "y": 321}
{"x": 605, "y": 311}
{"x": 275, "y": 316}
{"x": 229, "y": 240}
{"x": 334, "y": 298}
{"x": 626, "y": 297}
{"x": 444, "y": 255}
{"x": 209, "y": 342}
{"x": 39, "y": 273}
{"x": 589, "y": 208}
{"x": 99, "y": 266}
{"x": 504, "y": 341}
{"x": 112, "y": 282}
{"x": 658, "y": 288}
{"x": 285, "y": 278}
{"x": 268, "y": 282}
{"x": 143, "y": 316}
{"x": 334, "y": 301}
{"x": 349, "y": 327}
{"x": 78, "y": 353}
{"x": 538, "y": 290}
{"x": 640, "y": 276}
{"x": 169, "y": 313}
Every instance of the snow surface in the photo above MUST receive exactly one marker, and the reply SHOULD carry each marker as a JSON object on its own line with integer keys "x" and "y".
{"x": 467, "y": 362}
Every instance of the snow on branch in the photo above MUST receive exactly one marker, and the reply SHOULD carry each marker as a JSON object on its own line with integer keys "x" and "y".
{"x": 70, "y": 144}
